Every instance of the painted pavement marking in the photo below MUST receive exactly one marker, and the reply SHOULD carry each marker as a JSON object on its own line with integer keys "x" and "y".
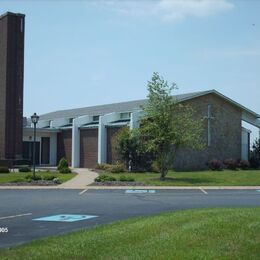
{"x": 65, "y": 218}
{"x": 140, "y": 191}
{"x": 15, "y": 216}
{"x": 203, "y": 191}
{"x": 83, "y": 191}
{"x": 258, "y": 190}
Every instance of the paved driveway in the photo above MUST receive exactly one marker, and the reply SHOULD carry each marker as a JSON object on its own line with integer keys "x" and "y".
{"x": 18, "y": 208}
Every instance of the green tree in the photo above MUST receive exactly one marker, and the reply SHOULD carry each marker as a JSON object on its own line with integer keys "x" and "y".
{"x": 130, "y": 149}
{"x": 255, "y": 154}
{"x": 168, "y": 125}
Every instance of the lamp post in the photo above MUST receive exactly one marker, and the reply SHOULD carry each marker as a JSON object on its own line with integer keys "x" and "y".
{"x": 35, "y": 119}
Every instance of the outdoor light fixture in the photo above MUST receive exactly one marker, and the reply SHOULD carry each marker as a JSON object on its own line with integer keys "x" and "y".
{"x": 34, "y": 119}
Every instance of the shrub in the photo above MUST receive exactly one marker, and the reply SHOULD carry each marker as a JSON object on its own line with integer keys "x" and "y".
{"x": 48, "y": 177}
{"x": 244, "y": 164}
{"x": 104, "y": 178}
{"x": 102, "y": 166}
{"x": 114, "y": 168}
{"x": 215, "y": 165}
{"x": 231, "y": 164}
{"x": 255, "y": 155}
{"x": 126, "y": 178}
{"x": 155, "y": 167}
{"x": 30, "y": 177}
{"x": 65, "y": 170}
{"x": 57, "y": 180}
{"x": 63, "y": 164}
{"x": 24, "y": 169}
{"x": 254, "y": 162}
{"x": 4, "y": 170}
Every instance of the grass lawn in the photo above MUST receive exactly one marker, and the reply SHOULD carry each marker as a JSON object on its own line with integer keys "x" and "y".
{"x": 20, "y": 176}
{"x": 203, "y": 178}
{"x": 189, "y": 234}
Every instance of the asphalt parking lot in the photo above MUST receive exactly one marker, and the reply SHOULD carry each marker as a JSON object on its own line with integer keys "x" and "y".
{"x": 20, "y": 208}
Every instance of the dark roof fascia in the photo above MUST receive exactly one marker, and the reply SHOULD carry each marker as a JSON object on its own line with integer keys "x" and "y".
{"x": 42, "y": 130}
{"x": 179, "y": 98}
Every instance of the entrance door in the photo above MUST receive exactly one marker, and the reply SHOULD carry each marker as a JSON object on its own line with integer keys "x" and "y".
{"x": 28, "y": 152}
{"x": 45, "y": 150}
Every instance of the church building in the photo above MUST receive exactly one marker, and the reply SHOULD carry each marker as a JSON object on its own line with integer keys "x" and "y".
{"x": 84, "y": 135}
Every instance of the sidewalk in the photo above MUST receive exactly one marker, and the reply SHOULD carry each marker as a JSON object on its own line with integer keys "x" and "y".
{"x": 83, "y": 178}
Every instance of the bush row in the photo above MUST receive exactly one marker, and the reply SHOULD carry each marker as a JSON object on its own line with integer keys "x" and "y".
{"x": 53, "y": 178}
{"x": 105, "y": 178}
{"x": 114, "y": 168}
{"x": 231, "y": 164}
{"x": 4, "y": 170}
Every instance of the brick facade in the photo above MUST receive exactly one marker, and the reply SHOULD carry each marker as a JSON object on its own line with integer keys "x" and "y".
{"x": 11, "y": 85}
{"x": 225, "y": 133}
{"x": 64, "y": 145}
{"x": 112, "y": 156}
{"x": 88, "y": 147}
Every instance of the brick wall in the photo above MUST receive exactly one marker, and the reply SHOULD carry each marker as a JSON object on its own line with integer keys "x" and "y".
{"x": 112, "y": 156}
{"x": 64, "y": 145}
{"x": 225, "y": 134}
{"x": 11, "y": 85}
{"x": 88, "y": 147}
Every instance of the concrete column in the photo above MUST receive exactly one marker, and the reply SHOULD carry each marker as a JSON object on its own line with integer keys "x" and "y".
{"x": 77, "y": 122}
{"x": 135, "y": 118}
{"x": 102, "y": 135}
{"x": 53, "y": 149}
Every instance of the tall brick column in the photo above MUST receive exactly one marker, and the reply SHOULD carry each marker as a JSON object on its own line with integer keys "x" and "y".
{"x": 11, "y": 85}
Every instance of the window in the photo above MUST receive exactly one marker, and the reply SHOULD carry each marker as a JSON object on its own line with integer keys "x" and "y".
{"x": 71, "y": 120}
{"x": 95, "y": 118}
{"x": 125, "y": 115}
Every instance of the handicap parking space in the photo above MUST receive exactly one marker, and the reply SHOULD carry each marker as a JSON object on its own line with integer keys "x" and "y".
{"x": 65, "y": 218}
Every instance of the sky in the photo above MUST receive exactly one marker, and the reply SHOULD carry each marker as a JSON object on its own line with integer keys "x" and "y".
{"x": 84, "y": 53}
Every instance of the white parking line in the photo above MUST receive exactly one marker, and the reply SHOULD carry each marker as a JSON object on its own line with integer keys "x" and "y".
{"x": 83, "y": 191}
{"x": 15, "y": 216}
{"x": 203, "y": 191}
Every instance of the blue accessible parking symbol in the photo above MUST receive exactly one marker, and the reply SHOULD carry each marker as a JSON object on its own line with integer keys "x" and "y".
{"x": 140, "y": 191}
{"x": 65, "y": 218}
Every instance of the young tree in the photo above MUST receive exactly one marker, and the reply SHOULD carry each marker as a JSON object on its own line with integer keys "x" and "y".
{"x": 168, "y": 125}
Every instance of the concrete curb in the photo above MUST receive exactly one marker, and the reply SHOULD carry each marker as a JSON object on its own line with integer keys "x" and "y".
{"x": 60, "y": 187}
{"x": 173, "y": 187}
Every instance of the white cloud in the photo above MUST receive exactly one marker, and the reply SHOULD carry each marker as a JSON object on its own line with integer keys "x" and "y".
{"x": 180, "y": 9}
{"x": 168, "y": 10}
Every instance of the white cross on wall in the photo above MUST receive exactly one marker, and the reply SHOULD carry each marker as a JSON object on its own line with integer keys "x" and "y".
{"x": 209, "y": 117}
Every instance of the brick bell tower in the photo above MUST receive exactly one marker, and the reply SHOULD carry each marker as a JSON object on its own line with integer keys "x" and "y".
{"x": 11, "y": 85}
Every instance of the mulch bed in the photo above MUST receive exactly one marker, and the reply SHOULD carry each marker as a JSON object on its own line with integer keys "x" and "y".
{"x": 33, "y": 183}
{"x": 117, "y": 183}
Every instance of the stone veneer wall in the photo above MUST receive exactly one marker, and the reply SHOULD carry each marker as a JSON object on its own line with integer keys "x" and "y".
{"x": 225, "y": 134}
